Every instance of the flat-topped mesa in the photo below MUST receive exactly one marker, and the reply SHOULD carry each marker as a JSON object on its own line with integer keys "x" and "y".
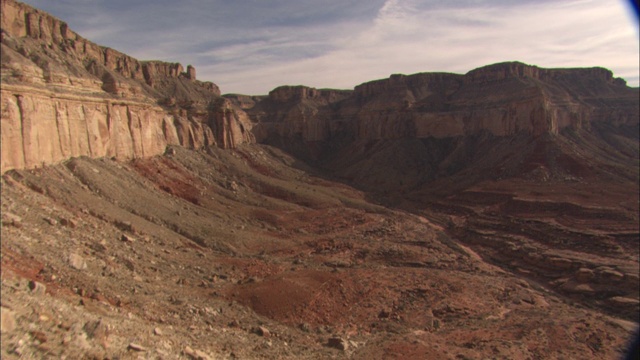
{"x": 287, "y": 93}
{"x": 244, "y": 101}
{"x": 502, "y": 71}
{"x": 420, "y": 84}
{"x": 508, "y": 70}
{"x": 501, "y": 99}
{"x": 599, "y": 73}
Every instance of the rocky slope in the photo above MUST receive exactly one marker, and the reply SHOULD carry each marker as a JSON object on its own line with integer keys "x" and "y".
{"x": 237, "y": 253}
{"x": 63, "y": 96}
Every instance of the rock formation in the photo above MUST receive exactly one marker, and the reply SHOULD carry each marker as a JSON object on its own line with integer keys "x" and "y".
{"x": 502, "y": 99}
{"x": 64, "y": 96}
{"x": 101, "y": 102}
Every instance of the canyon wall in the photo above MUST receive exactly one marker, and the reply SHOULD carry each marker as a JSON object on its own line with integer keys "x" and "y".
{"x": 501, "y": 99}
{"x": 63, "y": 96}
{"x": 295, "y": 112}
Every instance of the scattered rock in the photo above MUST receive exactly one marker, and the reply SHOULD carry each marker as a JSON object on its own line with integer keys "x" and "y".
{"x": 39, "y": 336}
{"x": 157, "y": 331}
{"x": 577, "y": 288}
{"x": 384, "y": 314}
{"x": 234, "y": 323}
{"x": 196, "y": 354}
{"x": 623, "y": 301}
{"x": 584, "y": 275}
{"x": 7, "y": 320}
{"x": 97, "y": 330}
{"x": 262, "y": 331}
{"x": 124, "y": 226}
{"x": 51, "y": 221}
{"x": 338, "y": 343}
{"x": 127, "y": 238}
{"x": 77, "y": 262}
{"x": 68, "y": 223}
{"x": 528, "y": 299}
{"x": 610, "y": 274}
{"x": 37, "y": 288}
{"x": 136, "y": 347}
{"x": 560, "y": 263}
{"x": 11, "y": 219}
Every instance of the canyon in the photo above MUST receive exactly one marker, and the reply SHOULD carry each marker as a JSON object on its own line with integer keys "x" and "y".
{"x": 492, "y": 214}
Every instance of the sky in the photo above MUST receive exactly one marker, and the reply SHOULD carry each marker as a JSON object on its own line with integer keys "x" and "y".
{"x": 254, "y": 46}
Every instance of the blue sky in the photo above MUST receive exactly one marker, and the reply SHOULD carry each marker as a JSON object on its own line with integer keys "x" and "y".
{"x": 253, "y": 46}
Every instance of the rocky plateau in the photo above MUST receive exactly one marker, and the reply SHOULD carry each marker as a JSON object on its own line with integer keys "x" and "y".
{"x": 486, "y": 215}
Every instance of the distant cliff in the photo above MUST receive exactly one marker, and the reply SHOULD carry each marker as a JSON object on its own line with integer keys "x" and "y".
{"x": 501, "y": 99}
{"x": 64, "y": 96}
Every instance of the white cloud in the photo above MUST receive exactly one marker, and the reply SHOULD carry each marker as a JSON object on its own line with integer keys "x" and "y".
{"x": 404, "y": 40}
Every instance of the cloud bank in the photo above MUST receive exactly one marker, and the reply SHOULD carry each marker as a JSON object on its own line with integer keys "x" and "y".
{"x": 252, "y": 46}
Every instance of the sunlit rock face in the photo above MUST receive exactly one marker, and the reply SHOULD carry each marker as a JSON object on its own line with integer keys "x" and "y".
{"x": 64, "y": 96}
{"x": 501, "y": 99}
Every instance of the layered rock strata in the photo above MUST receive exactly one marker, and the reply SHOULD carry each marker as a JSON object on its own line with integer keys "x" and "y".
{"x": 101, "y": 102}
{"x": 502, "y": 99}
{"x": 63, "y": 96}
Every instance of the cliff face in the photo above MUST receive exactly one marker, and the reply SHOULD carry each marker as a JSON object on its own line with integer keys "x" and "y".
{"x": 296, "y": 112}
{"x": 64, "y": 96}
{"x": 502, "y": 100}
{"x": 96, "y": 101}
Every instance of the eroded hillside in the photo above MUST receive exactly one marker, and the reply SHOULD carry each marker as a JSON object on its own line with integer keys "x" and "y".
{"x": 245, "y": 254}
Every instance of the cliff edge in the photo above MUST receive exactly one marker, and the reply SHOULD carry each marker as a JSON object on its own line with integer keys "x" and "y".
{"x": 63, "y": 96}
{"x": 502, "y": 99}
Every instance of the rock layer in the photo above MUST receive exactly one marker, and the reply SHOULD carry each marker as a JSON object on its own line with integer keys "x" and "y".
{"x": 501, "y": 99}
{"x": 64, "y": 96}
{"x": 102, "y": 102}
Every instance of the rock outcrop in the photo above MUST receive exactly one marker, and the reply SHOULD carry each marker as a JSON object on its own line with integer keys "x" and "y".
{"x": 101, "y": 102}
{"x": 296, "y": 112}
{"x": 63, "y": 96}
{"x": 502, "y": 99}
{"x": 502, "y": 120}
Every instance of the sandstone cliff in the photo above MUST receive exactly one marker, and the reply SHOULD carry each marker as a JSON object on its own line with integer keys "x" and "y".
{"x": 502, "y": 120}
{"x": 63, "y": 96}
{"x": 294, "y": 112}
{"x": 502, "y": 99}
{"x": 97, "y": 101}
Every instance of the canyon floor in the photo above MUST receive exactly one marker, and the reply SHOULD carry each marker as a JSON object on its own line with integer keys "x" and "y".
{"x": 251, "y": 254}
